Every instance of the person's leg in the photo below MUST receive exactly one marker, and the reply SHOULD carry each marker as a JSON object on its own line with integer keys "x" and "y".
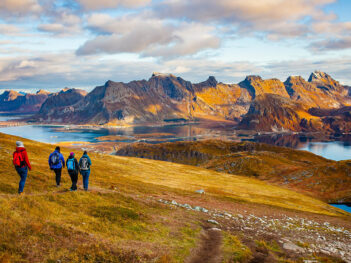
{"x": 75, "y": 180}
{"x": 23, "y": 174}
{"x": 72, "y": 179}
{"x": 86, "y": 179}
{"x": 58, "y": 173}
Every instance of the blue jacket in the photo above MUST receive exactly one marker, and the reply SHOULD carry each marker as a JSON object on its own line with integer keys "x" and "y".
{"x": 89, "y": 161}
{"x": 61, "y": 162}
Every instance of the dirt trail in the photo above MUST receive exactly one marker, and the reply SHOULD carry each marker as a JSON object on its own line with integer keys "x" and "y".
{"x": 209, "y": 247}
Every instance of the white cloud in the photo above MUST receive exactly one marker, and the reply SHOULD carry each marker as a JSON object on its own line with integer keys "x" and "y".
{"x": 9, "y": 8}
{"x": 105, "y": 4}
{"x": 338, "y": 44}
{"x": 274, "y": 17}
{"x": 63, "y": 23}
{"x": 147, "y": 36}
{"x": 8, "y": 29}
{"x": 188, "y": 39}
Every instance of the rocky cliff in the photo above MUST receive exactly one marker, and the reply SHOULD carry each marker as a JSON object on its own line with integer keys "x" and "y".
{"x": 162, "y": 98}
{"x": 58, "y": 102}
{"x": 15, "y": 102}
{"x": 255, "y": 103}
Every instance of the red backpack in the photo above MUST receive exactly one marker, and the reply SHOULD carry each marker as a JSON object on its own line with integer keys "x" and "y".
{"x": 18, "y": 159}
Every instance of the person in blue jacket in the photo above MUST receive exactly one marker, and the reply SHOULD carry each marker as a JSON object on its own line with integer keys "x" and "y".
{"x": 84, "y": 167}
{"x": 56, "y": 163}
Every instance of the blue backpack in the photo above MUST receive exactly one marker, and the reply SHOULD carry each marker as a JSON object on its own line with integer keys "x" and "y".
{"x": 70, "y": 164}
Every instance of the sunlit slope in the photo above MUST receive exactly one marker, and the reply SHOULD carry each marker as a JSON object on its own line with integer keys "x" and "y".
{"x": 108, "y": 171}
{"x": 300, "y": 171}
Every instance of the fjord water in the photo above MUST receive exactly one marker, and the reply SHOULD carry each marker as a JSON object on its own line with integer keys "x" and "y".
{"x": 333, "y": 148}
{"x": 344, "y": 207}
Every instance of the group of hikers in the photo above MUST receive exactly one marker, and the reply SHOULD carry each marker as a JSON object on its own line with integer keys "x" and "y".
{"x": 56, "y": 163}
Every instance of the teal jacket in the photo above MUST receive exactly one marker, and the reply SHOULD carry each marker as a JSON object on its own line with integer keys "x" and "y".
{"x": 89, "y": 161}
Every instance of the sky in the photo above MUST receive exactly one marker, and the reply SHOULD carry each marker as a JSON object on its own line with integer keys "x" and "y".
{"x": 52, "y": 44}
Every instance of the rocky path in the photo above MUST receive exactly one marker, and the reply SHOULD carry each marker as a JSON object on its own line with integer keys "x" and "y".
{"x": 209, "y": 247}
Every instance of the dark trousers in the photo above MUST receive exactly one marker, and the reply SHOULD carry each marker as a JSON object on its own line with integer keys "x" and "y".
{"x": 85, "y": 175}
{"x": 22, "y": 172}
{"x": 58, "y": 173}
{"x": 74, "y": 178}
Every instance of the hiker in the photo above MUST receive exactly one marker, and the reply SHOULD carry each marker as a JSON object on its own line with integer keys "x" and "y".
{"x": 56, "y": 163}
{"x": 21, "y": 163}
{"x": 84, "y": 167}
{"x": 73, "y": 170}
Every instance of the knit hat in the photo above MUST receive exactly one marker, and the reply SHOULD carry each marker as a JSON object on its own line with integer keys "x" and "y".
{"x": 19, "y": 144}
{"x": 71, "y": 154}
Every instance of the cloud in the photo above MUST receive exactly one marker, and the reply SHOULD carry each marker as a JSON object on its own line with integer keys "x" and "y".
{"x": 10, "y": 30}
{"x": 331, "y": 44}
{"x": 249, "y": 11}
{"x": 63, "y": 23}
{"x": 105, "y": 4}
{"x": 147, "y": 36}
{"x": 127, "y": 35}
{"x": 332, "y": 36}
{"x": 274, "y": 17}
{"x": 55, "y": 71}
{"x": 9, "y": 8}
{"x": 188, "y": 39}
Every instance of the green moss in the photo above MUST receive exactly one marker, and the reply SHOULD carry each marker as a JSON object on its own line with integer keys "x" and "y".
{"x": 234, "y": 251}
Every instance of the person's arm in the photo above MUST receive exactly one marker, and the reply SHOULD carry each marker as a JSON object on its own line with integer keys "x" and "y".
{"x": 77, "y": 165}
{"x": 63, "y": 160}
{"x": 50, "y": 164}
{"x": 27, "y": 160}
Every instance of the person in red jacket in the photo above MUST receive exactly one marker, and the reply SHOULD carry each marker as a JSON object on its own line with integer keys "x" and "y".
{"x": 22, "y": 164}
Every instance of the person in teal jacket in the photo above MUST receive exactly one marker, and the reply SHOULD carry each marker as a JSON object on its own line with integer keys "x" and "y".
{"x": 84, "y": 167}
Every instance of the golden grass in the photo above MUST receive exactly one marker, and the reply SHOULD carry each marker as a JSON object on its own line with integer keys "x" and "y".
{"x": 190, "y": 178}
{"x": 104, "y": 225}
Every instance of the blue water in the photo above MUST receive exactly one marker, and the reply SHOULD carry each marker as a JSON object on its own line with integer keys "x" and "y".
{"x": 343, "y": 207}
{"x": 334, "y": 150}
{"x": 7, "y": 117}
{"x": 54, "y": 134}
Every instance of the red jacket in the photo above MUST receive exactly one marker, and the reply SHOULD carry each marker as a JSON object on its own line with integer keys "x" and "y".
{"x": 24, "y": 155}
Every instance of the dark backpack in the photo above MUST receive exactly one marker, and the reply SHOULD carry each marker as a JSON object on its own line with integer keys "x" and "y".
{"x": 84, "y": 164}
{"x": 55, "y": 158}
{"x": 70, "y": 164}
{"x": 18, "y": 159}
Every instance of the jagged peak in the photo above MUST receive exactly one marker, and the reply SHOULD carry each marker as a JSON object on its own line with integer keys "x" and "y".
{"x": 11, "y": 92}
{"x": 41, "y": 91}
{"x": 319, "y": 75}
{"x": 109, "y": 83}
{"x": 295, "y": 79}
{"x": 251, "y": 78}
{"x": 212, "y": 81}
{"x": 162, "y": 75}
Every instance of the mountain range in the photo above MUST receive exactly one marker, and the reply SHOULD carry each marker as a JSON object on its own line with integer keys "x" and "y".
{"x": 16, "y": 102}
{"x": 253, "y": 104}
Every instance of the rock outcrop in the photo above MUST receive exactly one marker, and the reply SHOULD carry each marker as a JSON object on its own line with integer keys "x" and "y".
{"x": 59, "y": 101}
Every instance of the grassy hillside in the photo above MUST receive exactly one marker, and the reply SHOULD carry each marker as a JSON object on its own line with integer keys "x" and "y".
{"x": 298, "y": 170}
{"x": 121, "y": 219}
